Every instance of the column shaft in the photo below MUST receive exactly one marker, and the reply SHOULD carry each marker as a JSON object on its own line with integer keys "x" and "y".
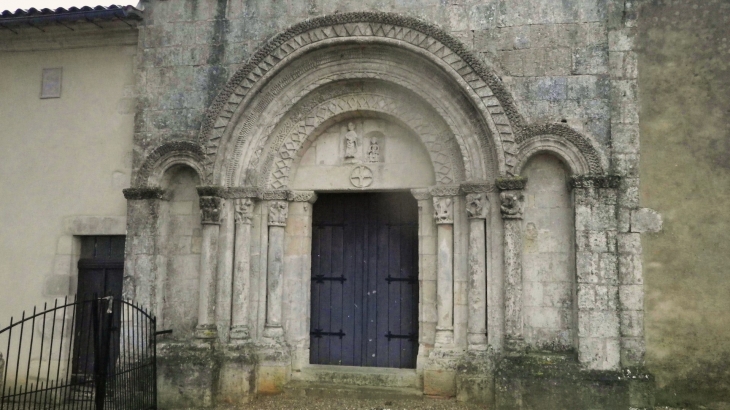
{"x": 210, "y": 210}
{"x": 242, "y": 270}
{"x": 477, "y": 333}
{"x": 278, "y": 212}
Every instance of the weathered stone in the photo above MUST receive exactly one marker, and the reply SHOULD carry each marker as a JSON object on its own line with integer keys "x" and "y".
{"x": 646, "y": 220}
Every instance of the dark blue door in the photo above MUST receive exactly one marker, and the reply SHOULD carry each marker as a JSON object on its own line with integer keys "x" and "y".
{"x": 365, "y": 280}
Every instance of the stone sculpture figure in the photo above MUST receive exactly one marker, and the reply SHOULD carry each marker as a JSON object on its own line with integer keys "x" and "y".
{"x": 475, "y": 206}
{"x": 210, "y": 210}
{"x": 442, "y": 210}
{"x": 278, "y": 212}
{"x": 244, "y": 210}
{"x": 351, "y": 142}
{"x": 374, "y": 151}
{"x": 511, "y": 205}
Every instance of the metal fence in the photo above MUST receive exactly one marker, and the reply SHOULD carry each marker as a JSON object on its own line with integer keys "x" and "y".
{"x": 80, "y": 354}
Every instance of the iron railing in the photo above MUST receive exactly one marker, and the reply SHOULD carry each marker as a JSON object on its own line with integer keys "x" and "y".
{"x": 80, "y": 354}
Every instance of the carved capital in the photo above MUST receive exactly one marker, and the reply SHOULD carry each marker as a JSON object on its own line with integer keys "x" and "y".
{"x": 302, "y": 196}
{"x": 443, "y": 210}
{"x": 143, "y": 193}
{"x": 445, "y": 190}
{"x": 476, "y": 206}
{"x": 211, "y": 210}
{"x": 476, "y": 187}
{"x": 511, "y": 184}
{"x": 511, "y": 204}
{"x": 595, "y": 181}
{"x": 421, "y": 194}
{"x": 278, "y": 195}
{"x": 278, "y": 212}
{"x": 244, "y": 210}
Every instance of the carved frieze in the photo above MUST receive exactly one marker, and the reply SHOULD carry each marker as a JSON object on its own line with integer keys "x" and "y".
{"x": 511, "y": 204}
{"x": 443, "y": 210}
{"x": 476, "y": 206}
{"x": 445, "y": 190}
{"x": 476, "y": 187}
{"x": 511, "y": 184}
{"x": 278, "y": 212}
{"x": 244, "y": 210}
{"x": 275, "y": 195}
{"x": 302, "y": 196}
{"x": 211, "y": 210}
{"x": 144, "y": 193}
{"x": 595, "y": 181}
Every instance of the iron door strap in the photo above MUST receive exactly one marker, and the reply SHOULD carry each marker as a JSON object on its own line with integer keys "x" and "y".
{"x": 411, "y": 337}
{"x": 410, "y": 279}
{"x": 322, "y": 278}
{"x": 318, "y": 333}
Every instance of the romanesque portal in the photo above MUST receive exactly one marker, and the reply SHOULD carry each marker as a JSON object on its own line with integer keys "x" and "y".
{"x": 468, "y": 235}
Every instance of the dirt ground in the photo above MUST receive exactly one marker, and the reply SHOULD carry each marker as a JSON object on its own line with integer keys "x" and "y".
{"x": 282, "y": 402}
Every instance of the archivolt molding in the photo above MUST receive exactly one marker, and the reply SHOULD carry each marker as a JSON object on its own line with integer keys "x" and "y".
{"x": 437, "y": 139}
{"x": 579, "y": 152}
{"x": 482, "y": 158}
{"x": 167, "y": 155}
{"x": 490, "y": 94}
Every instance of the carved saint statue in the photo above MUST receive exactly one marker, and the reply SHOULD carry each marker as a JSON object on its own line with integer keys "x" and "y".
{"x": 374, "y": 151}
{"x": 350, "y": 141}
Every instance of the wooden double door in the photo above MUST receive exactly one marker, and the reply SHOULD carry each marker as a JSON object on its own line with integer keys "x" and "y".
{"x": 365, "y": 280}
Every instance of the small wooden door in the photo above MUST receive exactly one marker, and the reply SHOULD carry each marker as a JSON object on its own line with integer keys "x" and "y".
{"x": 365, "y": 280}
{"x": 101, "y": 272}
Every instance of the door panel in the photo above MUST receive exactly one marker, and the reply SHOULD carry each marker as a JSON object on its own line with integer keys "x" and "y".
{"x": 364, "y": 280}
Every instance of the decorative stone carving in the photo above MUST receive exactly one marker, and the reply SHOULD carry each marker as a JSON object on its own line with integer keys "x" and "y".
{"x": 243, "y": 192}
{"x": 244, "y": 210}
{"x": 442, "y": 207}
{"x": 445, "y": 190}
{"x": 595, "y": 181}
{"x": 302, "y": 196}
{"x": 210, "y": 210}
{"x": 476, "y": 187}
{"x": 436, "y": 137}
{"x": 361, "y": 176}
{"x": 511, "y": 204}
{"x": 437, "y": 44}
{"x": 507, "y": 184}
{"x": 374, "y": 151}
{"x": 280, "y": 195}
{"x": 278, "y": 212}
{"x": 352, "y": 142}
{"x": 421, "y": 194}
{"x": 144, "y": 193}
{"x": 476, "y": 206}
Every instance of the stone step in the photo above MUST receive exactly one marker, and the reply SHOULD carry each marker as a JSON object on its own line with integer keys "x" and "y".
{"x": 358, "y": 376}
{"x": 300, "y": 388}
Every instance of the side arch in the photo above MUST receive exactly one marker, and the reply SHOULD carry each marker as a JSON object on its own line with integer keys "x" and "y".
{"x": 579, "y": 153}
{"x": 167, "y": 155}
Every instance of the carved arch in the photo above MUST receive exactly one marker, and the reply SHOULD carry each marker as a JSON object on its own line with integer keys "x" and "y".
{"x": 581, "y": 154}
{"x": 167, "y": 155}
{"x": 485, "y": 90}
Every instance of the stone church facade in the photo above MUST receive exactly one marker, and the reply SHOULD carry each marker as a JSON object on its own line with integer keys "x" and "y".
{"x": 270, "y": 140}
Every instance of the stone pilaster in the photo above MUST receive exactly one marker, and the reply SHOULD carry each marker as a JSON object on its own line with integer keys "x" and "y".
{"x": 443, "y": 204}
{"x": 427, "y": 316}
{"x": 211, "y": 216}
{"x": 297, "y": 275}
{"x": 278, "y": 208}
{"x": 242, "y": 269}
{"x": 511, "y": 206}
{"x": 477, "y": 209}
{"x": 597, "y": 271}
{"x": 144, "y": 267}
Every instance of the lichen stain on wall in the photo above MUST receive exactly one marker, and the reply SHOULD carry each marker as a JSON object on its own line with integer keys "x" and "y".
{"x": 684, "y": 81}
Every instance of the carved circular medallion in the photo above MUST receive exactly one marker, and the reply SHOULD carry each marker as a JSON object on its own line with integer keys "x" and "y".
{"x": 361, "y": 176}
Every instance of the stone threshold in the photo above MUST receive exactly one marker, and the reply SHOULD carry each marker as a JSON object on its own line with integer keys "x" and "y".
{"x": 358, "y": 376}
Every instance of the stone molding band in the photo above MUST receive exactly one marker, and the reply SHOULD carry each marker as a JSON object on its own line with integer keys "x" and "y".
{"x": 144, "y": 193}
{"x": 595, "y": 181}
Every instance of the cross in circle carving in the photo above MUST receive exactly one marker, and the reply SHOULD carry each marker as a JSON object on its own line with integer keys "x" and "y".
{"x": 361, "y": 176}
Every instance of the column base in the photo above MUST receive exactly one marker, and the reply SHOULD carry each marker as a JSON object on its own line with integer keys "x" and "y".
{"x": 444, "y": 338}
{"x": 439, "y": 374}
{"x": 240, "y": 332}
{"x": 273, "y": 334}
{"x": 476, "y": 341}
{"x": 514, "y": 344}
{"x": 206, "y": 332}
